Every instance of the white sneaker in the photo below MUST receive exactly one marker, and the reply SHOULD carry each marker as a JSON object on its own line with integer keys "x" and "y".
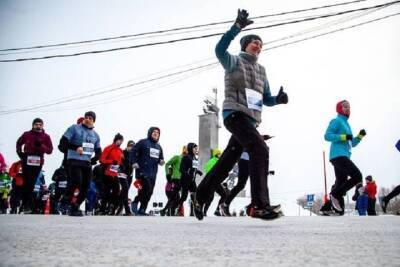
{"x": 336, "y": 204}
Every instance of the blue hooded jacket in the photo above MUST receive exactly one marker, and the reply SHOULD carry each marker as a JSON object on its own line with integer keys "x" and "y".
{"x": 147, "y": 153}
{"x": 337, "y": 127}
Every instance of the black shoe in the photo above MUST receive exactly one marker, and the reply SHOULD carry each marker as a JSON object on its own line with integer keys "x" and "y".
{"x": 128, "y": 214}
{"x": 142, "y": 213}
{"x": 75, "y": 213}
{"x": 265, "y": 214}
{"x": 275, "y": 208}
{"x": 224, "y": 210}
{"x": 198, "y": 209}
{"x": 217, "y": 213}
{"x": 162, "y": 212}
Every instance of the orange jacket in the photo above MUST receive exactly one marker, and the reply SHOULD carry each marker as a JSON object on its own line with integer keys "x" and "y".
{"x": 16, "y": 173}
{"x": 112, "y": 158}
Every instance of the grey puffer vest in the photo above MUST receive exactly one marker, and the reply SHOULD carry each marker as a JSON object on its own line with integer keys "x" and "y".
{"x": 247, "y": 74}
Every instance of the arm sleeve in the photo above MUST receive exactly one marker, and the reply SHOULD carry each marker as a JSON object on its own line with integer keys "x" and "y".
{"x": 170, "y": 163}
{"x": 47, "y": 147}
{"x": 161, "y": 154}
{"x": 331, "y": 133}
{"x": 185, "y": 166}
{"x": 104, "y": 155}
{"x": 268, "y": 99}
{"x": 20, "y": 143}
{"x": 227, "y": 60}
{"x": 135, "y": 152}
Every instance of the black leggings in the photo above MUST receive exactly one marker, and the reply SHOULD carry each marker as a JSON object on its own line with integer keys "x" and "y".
{"x": 244, "y": 136}
{"x": 145, "y": 193}
{"x": 394, "y": 193}
{"x": 344, "y": 167}
{"x": 123, "y": 198}
{"x": 187, "y": 186}
{"x": 80, "y": 173}
{"x": 30, "y": 174}
{"x": 111, "y": 190}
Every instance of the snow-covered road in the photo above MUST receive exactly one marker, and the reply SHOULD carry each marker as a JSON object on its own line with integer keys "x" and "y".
{"x": 33, "y": 240}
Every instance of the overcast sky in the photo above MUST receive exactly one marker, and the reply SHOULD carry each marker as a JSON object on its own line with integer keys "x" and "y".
{"x": 360, "y": 64}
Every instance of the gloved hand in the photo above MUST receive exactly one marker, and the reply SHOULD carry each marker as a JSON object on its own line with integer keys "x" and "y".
{"x": 282, "y": 97}
{"x": 162, "y": 162}
{"x": 267, "y": 137}
{"x": 93, "y": 161}
{"x": 37, "y": 143}
{"x": 346, "y": 137}
{"x": 115, "y": 162}
{"x": 361, "y": 134}
{"x": 271, "y": 172}
{"x": 137, "y": 184}
{"x": 199, "y": 173}
{"x": 135, "y": 166}
{"x": 242, "y": 19}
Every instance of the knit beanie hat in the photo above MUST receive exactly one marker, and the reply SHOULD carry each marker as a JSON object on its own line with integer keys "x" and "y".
{"x": 247, "y": 39}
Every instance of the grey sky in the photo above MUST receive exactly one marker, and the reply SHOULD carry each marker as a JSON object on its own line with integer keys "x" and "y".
{"x": 360, "y": 65}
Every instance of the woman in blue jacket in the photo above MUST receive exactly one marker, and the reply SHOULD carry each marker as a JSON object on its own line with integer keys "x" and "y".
{"x": 342, "y": 140}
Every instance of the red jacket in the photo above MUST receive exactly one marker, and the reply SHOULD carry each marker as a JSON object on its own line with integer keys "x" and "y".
{"x": 16, "y": 173}
{"x": 371, "y": 189}
{"x": 112, "y": 154}
{"x": 34, "y": 143}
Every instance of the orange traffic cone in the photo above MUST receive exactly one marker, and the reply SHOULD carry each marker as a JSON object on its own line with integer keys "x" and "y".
{"x": 47, "y": 207}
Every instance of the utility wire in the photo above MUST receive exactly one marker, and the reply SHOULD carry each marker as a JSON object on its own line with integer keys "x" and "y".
{"x": 199, "y": 37}
{"x": 180, "y": 28}
{"x": 211, "y": 64}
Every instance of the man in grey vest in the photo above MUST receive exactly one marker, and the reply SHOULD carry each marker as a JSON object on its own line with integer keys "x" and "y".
{"x": 246, "y": 91}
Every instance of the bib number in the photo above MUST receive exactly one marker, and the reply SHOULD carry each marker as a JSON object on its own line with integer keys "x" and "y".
{"x": 62, "y": 184}
{"x": 88, "y": 148}
{"x": 195, "y": 164}
{"x": 154, "y": 153}
{"x": 33, "y": 160}
{"x": 114, "y": 168}
{"x": 122, "y": 175}
{"x": 254, "y": 99}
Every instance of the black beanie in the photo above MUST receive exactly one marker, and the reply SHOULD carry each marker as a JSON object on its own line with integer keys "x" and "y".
{"x": 91, "y": 114}
{"x": 244, "y": 42}
{"x": 118, "y": 136}
{"x": 37, "y": 120}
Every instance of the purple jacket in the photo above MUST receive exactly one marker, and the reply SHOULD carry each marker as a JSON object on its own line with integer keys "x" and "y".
{"x": 35, "y": 143}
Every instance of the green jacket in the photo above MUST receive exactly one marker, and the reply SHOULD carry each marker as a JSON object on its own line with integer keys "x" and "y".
{"x": 210, "y": 164}
{"x": 5, "y": 185}
{"x": 175, "y": 164}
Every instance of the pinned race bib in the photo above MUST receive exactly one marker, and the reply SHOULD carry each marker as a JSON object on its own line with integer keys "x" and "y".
{"x": 114, "y": 168}
{"x": 88, "y": 148}
{"x": 254, "y": 99}
{"x": 62, "y": 184}
{"x": 122, "y": 175}
{"x": 33, "y": 161}
{"x": 154, "y": 153}
{"x": 195, "y": 164}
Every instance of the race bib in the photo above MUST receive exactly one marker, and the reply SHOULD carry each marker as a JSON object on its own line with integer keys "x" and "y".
{"x": 154, "y": 153}
{"x": 37, "y": 188}
{"x": 122, "y": 175}
{"x": 2, "y": 184}
{"x": 62, "y": 184}
{"x": 195, "y": 164}
{"x": 254, "y": 99}
{"x": 245, "y": 156}
{"x": 114, "y": 168}
{"x": 33, "y": 160}
{"x": 45, "y": 197}
{"x": 88, "y": 148}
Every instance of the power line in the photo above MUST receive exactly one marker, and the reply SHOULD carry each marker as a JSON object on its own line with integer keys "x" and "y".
{"x": 179, "y": 28}
{"x": 197, "y": 37}
{"x": 210, "y": 65}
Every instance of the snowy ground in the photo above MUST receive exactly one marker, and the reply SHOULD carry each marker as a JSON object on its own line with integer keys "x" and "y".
{"x": 34, "y": 240}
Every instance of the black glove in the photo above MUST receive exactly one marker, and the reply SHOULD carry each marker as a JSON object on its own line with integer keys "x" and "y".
{"x": 199, "y": 173}
{"x": 37, "y": 143}
{"x": 282, "y": 97}
{"x": 363, "y": 133}
{"x": 242, "y": 19}
{"x": 93, "y": 161}
{"x": 349, "y": 137}
{"x": 271, "y": 172}
{"x": 115, "y": 162}
{"x": 266, "y": 137}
